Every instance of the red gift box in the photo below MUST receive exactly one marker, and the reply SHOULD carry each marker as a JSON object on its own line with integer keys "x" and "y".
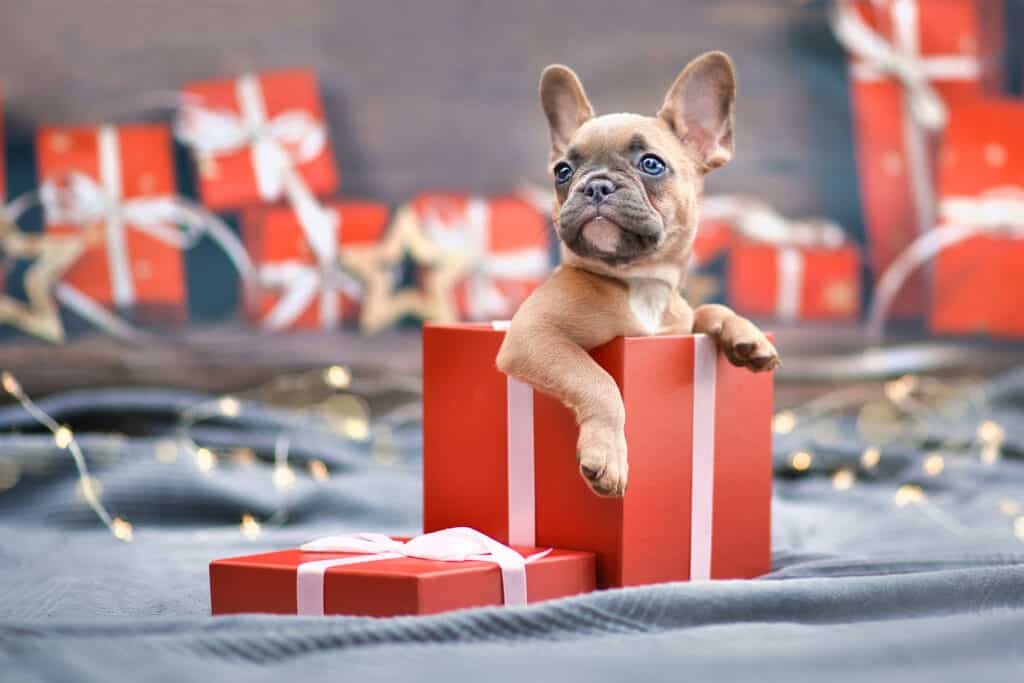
{"x": 794, "y": 283}
{"x": 106, "y": 177}
{"x": 503, "y": 240}
{"x": 955, "y": 47}
{"x": 301, "y": 582}
{"x": 502, "y": 458}
{"x": 254, "y": 135}
{"x": 977, "y": 286}
{"x": 299, "y": 293}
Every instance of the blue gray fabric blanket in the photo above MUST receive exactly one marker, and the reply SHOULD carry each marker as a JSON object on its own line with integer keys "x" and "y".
{"x": 862, "y": 588}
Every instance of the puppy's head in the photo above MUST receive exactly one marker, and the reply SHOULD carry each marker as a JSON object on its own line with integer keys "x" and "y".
{"x": 627, "y": 185}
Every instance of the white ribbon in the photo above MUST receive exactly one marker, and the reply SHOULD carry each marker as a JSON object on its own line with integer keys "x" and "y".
{"x": 301, "y": 284}
{"x": 790, "y": 277}
{"x": 469, "y": 236}
{"x": 998, "y": 212}
{"x": 459, "y": 544}
{"x": 521, "y": 508}
{"x": 276, "y": 146}
{"x": 902, "y": 60}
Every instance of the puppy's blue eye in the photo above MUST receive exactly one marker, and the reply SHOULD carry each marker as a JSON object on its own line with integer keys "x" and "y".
{"x": 563, "y": 172}
{"x": 652, "y": 165}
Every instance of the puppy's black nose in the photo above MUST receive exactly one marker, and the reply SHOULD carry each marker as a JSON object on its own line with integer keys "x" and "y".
{"x": 598, "y": 189}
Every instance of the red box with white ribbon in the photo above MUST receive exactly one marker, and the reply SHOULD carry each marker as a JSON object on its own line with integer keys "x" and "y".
{"x": 501, "y": 458}
{"x": 789, "y": 283}
{"x": 116, "y": 182}
{"x": 911, "y": 62}
{"x": 301, "y": 290}
{"x": 258, "y": 138}
{"x": 978, "y": 249}
{"x": 374, "y": 575}
{"x": 503, "y": 242}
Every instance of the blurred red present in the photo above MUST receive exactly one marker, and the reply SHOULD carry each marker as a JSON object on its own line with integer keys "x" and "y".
{"x": 117, "y": 177}
{"x": 977, "y": 281}
{"x": 789, "y": 283}
{"x": 909, "y": 61}
{"x": 301, "y": 288}
{"x": 502, "y": 242}
{"x": 258, "y": 138}
{"x": 373, "y": 575}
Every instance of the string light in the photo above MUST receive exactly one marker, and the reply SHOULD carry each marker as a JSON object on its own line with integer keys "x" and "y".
{"x": 990, "y": 453}
{"x": 843, "y": 479}
{"x": 337, "y": 377}
{"x": 89, "y": 489}
{"x": 205, "y": 459}
{"x": 243, "y": 456}
{"x": 934, "y": 464}
{"x": 249, "y": 527}
{"x": 909, "y": 494}
{"x": 283, "y": 476}
{"x": 801, "y": 461}
{"x": 870, "y": 458}
{"x": 166, "y": 451}
{"x": 1009, "y": 507}
{"x": 899, "y": 390}
{"x": 229, "y": 406}
{"x": 990, "y": 432}
{"x": 784, "y": 422}
{"x": 65, "y": 440}
{"x": 318, "y": 470}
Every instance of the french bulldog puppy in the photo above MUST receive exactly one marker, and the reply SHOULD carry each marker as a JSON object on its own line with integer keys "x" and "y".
{"x": 626, "y": 213}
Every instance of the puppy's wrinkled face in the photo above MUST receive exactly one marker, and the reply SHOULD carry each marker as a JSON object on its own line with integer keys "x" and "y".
{"x": 627, "y": 185}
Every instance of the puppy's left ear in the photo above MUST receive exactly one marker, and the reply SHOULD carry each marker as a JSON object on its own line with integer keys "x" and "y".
{"x": 699, "y": 108}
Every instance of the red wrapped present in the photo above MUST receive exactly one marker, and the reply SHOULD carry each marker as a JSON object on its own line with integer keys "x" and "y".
{"x": 502, "y": 458}
{"x": 795, "y": 282}
{"x": 117, "y": 179}
{"x": 258, "y": 138}
{"x": 977, "y": 285}
{"x": 909, "y": 61}
{"x": 373, "y": 575}
{"x": 302, "y": 288}
{"x": 502, "y": 242}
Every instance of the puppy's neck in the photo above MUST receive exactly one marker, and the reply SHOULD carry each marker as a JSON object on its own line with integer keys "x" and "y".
{"x": 669, "y": 271}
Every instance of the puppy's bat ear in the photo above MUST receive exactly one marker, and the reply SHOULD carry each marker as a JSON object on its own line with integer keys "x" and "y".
{"x": 699, "y": 108}
{"x": 565, "y": 105}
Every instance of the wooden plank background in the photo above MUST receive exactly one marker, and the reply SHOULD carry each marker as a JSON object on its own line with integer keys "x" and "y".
{"x": 442, "y": 94}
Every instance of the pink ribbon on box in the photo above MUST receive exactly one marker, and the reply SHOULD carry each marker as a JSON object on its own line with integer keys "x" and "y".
{"x": 901, "y": 60}
{"x": 458, "y": 544}
{"x": 277, "y": 145}
{"x": 998, "y": 212}
{"x": 521, "y": 508}
{"x": 469, "y": 236}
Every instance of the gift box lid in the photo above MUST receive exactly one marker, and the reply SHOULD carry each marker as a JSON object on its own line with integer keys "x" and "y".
{"x": 267, "y": 582}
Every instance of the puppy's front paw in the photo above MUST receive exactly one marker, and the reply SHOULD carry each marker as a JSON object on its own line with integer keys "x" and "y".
{"x": 601, "y": 454}
{"x": 745, "y": 345}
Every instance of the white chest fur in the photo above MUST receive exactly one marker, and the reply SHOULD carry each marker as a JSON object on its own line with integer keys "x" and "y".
{"x": 648, "y": 299}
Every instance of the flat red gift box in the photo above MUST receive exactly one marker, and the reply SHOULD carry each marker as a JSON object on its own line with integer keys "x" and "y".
{"x": 266, "y": 583}
{"x": 960, "y": 42}
{"x": 795, "y": 283}
{"x": 505, "y": 240}
{"x": 229, "y": 180}
{"x": 682, "y": 516}
{"x": 132, "y": 162}
{"x": 977, "y": 282}
{"x": 274, "y": 236}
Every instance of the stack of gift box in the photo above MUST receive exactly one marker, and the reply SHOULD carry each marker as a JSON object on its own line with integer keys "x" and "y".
{"x": 507, "y": 517}
{"x": 263, "y": 159}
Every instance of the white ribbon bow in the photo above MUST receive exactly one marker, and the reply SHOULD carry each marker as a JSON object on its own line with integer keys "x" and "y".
{"x": 300, "y": 284}
{"x": 458, "y": 544}
{"x": 999, "y": 212}
{"x": 901, "y": 59}
{"x": 469, "y": 235}
{"x": 78, "y": 200}
{"x": 276, "y": 146}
